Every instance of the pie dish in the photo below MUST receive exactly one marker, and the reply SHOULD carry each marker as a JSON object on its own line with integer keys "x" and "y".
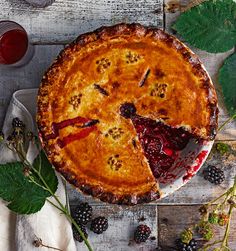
{"x": 124, "y": 110}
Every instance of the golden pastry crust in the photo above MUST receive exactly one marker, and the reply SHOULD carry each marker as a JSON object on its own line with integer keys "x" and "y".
{"x": 91, "y": 78}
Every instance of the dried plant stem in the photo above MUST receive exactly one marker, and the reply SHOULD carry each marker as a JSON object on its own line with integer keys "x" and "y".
{"x": 46, "y": 246}
{"x": 39, "y": 243}
{"x": 211, "y": 244}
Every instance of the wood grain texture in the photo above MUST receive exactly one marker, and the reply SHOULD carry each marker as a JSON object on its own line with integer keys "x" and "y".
{"x": 122, "y": 222}
{"x": 29, "y": 76}
{"x": 64, "y": 20}
{"x": 173, "y": 220}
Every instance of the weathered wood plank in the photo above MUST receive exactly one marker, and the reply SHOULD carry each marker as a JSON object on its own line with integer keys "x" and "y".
{"x": 212, "y": 63}
{"x": 197, "y": 191}
{"x": 29, "y": 76}
{"x": 66, "y": 19}
{"x": 171, "y": 224}
{"x": 122, "y": 223}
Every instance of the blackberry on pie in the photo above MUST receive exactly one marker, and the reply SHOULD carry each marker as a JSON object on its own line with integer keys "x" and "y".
{"x": 142, "y": 97}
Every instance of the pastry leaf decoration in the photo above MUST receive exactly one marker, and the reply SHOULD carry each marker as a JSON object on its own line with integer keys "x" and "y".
{"x": 227, "y": 79}
{"x": 210, "y": 26}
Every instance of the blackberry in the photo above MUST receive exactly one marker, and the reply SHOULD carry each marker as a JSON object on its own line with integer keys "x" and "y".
{"x": 214, "y": 175}
{"x": 77, "y": 235}
{"x": 17, "y": 123}
{"x": 142, "y": 233}
{"x": 191, "y": 246}
{"x": 83, "y": 213}
{"x": 127, "y": 110}
{"x": 99, "y": 225}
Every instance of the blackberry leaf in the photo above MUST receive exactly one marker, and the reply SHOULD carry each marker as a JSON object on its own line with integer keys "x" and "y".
{"x": 24, "y": 197}
{"x": 210, "y": 26}
{"x": 227, "y": 79}
{"x": 42, "y": 164}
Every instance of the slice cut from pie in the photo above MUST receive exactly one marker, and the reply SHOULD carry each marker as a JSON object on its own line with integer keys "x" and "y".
{"x": 119, "y": 105}
{"x": 162, "y": 144}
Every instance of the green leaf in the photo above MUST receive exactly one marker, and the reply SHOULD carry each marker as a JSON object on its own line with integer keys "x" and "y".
{"x": 42, "y": 165}
{"x": 227, "y": 79}
{"x": 24, "y": 196}
{"x": 210, "y": 26}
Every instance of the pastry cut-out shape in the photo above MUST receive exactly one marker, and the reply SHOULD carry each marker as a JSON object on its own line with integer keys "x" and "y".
{"x": 133, "y": 153}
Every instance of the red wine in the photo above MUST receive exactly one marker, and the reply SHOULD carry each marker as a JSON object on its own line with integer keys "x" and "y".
{"x": 13, "y": 46}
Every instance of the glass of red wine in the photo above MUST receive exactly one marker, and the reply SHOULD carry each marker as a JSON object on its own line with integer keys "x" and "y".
{"x": 15, "y": 48}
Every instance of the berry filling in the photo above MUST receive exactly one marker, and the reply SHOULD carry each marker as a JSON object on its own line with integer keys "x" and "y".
{"x": 161, "y": 143}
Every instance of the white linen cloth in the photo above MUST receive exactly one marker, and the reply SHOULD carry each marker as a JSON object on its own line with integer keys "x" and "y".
{"x": 17, "y": 232}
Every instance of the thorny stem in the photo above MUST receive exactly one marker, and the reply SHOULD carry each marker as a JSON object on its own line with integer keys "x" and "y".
{"x": 226, "y": 235}
{"x": 213, "y": 201}
{"x": 53, "y": 204}
{"x": 230, "y": 192}
{"x": 226, "y": 122}
{"x": 64, "y": 210}
{"x": 211, "y": 244}
{"x": 225, "y": 240}
{"x": 67, "y": 202}
{"x": 60, "y": 206}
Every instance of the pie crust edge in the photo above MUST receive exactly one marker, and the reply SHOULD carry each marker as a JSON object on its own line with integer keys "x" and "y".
{"x": 105, "y": 33}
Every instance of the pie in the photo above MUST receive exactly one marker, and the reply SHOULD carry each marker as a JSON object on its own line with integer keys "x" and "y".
{"x": 117, "y": 107}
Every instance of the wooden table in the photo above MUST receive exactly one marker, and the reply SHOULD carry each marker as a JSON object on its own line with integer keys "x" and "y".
{"x": 53, "y": 27}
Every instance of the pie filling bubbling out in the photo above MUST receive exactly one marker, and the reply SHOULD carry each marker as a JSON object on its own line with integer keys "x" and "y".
{"x": 161, "y": 143}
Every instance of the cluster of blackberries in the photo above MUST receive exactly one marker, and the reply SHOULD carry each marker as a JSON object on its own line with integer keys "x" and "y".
{"x": 181, "y": 246}
{"x": 214, "y": 174}
{"x": 142, "y": 233}
{"x": 17, "y": 123}
{"x": 17, "y": 134}
{"x": 82, "y": 214}
{"x": 191, "y": 246}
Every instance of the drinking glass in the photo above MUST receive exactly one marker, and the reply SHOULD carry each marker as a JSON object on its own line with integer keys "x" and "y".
{"x": 15, "y": 48}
